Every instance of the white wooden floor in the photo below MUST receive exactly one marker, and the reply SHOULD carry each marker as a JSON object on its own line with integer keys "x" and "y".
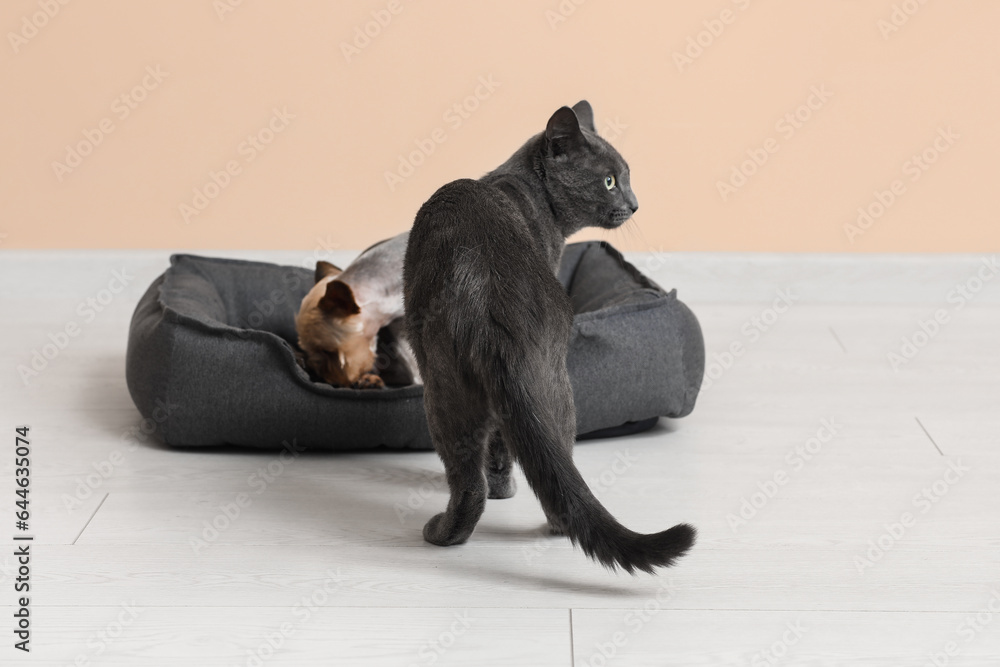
{"x": 321, "y": 569}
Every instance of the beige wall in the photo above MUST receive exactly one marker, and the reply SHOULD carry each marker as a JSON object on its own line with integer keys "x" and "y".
{"x": 169, "y": 92}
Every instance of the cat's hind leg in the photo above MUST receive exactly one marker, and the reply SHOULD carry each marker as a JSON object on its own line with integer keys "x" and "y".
{"x": 466, "y": 475}
{"x": 462, "y": 441}
{"x": 498, "y": 469}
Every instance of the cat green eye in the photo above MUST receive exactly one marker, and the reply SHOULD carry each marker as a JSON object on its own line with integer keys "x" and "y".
{"x": 609, "y": 182}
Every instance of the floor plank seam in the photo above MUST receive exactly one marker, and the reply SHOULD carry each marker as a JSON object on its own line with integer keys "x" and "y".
{"x": 837, "y": 338}
{"x": 924, "y": 429}
{"x": 572, "y": 648}
{"x": 730, "y": 610}
{"x": 99, "y": 506}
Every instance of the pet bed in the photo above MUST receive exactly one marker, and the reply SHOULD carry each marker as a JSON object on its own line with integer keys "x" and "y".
{"x": 213, "y": 340}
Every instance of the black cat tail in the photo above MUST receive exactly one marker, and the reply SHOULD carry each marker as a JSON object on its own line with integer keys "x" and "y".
{"x": 534, "y": 437}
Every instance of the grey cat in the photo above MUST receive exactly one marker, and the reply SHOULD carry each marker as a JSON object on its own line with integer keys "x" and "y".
{"x": 490, "y": 324}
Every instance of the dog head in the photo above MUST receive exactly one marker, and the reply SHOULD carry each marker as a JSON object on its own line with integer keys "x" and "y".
{"x": 332, "y": 332}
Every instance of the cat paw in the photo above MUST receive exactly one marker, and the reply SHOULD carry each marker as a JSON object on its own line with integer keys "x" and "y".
{"x": 556, "y": 526}
{"x": 501, "y": 487}
{"x": 438, "y": 531}
{"x": 369, "y": 381}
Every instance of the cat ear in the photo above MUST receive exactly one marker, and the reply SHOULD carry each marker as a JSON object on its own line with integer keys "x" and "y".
{"x": 563, "y": 131}
{"x": 338, "y": 300}
{"x": 324, "y": 269}
{"x": 563, "y": 124}
{"x": 585, "y": 114}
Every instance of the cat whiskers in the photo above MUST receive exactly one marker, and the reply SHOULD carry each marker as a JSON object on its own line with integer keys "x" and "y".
{"x": 629, "y": 231}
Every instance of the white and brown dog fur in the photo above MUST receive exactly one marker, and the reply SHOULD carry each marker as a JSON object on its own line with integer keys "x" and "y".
{"x": 350, "y": 323}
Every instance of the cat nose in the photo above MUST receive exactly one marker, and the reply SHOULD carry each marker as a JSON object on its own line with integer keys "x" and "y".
{"x": 633, "y": 203}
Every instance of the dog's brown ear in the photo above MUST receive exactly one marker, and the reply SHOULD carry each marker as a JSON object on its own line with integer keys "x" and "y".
{"x": 338, "y": 300}
{"x": 324, "y": 269}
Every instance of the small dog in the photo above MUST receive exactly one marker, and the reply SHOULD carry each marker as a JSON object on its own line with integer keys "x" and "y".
{"x": 350, "y": 323}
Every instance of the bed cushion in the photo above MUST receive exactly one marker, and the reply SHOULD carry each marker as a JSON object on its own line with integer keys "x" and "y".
{"x": 214, "y": 340}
